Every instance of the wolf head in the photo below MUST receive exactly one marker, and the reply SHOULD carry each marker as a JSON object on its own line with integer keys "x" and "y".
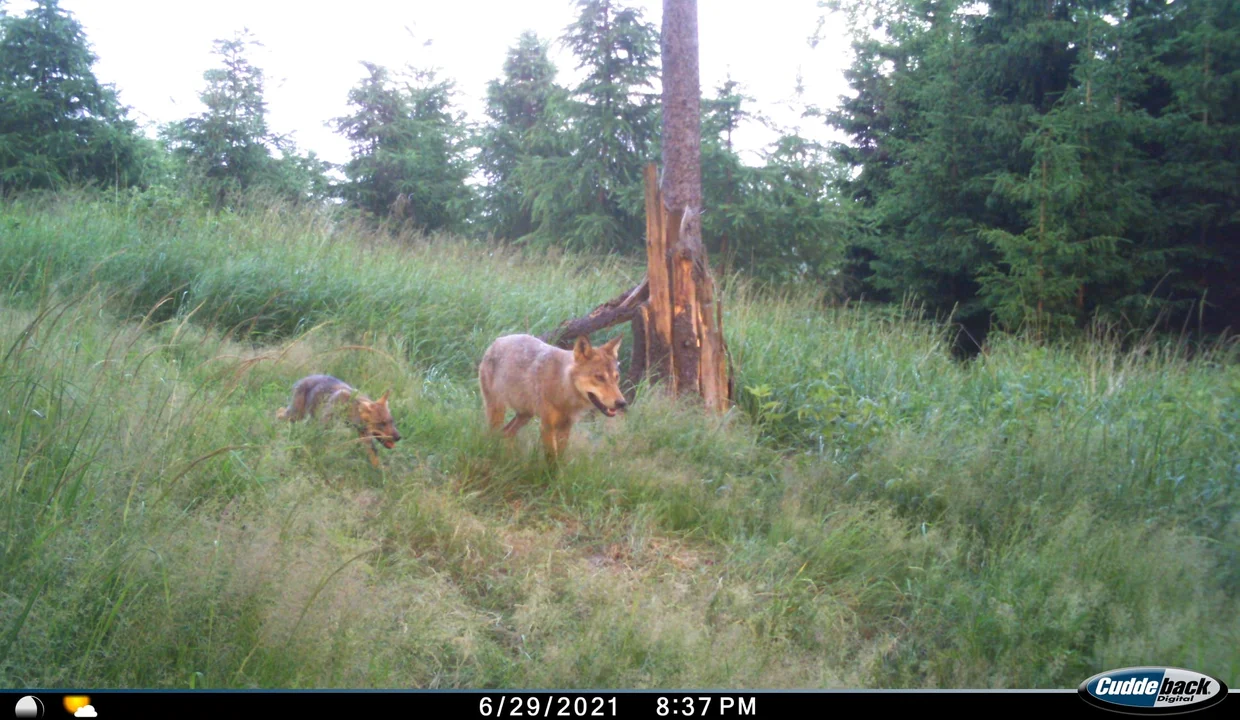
{"x": 378, "y": 420}
{"x": 596, "y": 375}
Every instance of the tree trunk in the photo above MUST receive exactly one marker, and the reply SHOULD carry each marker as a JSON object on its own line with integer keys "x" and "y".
{"x": 677, "y": 323}
{"x": 682, "y": 185}
{"x": 639, "y": 358}
{"x": 699, "y": 363}
{"x": 658, "y": 324}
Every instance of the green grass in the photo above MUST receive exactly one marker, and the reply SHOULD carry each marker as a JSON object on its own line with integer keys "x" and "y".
{"x": 872, "y": 514}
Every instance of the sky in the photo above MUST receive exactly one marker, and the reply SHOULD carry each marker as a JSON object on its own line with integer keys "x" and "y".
{"x": 155, "y": 52}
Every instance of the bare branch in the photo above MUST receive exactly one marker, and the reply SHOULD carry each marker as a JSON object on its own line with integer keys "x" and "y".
{"x": 620, "y": 309}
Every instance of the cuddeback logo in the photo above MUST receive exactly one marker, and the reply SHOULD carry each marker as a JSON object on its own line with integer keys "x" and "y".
{"x": 1152, "y": 691}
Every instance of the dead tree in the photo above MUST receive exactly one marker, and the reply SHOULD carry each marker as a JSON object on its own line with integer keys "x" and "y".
{"x": 677, "y": 321}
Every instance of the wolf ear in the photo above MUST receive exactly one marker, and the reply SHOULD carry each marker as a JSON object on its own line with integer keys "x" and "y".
{"x": 612, "y": 346}
{"x": 581, "y": 349}
{"x": 383, "y": 400}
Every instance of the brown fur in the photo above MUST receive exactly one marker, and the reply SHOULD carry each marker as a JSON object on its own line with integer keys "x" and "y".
{"x": 533, "y": 378}
{"x": 372, "y": 419}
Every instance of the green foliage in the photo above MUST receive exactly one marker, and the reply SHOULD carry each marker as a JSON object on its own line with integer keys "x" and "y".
{"x": 565, "y": 169}
{"x": 517, "y": 106}
{"x": 560, "y": 168}
{"x": 586, "y": 191}
{"x": 785, "y": 223}
{"x": 826, "y": 412}
{"x": 409, "y": 149}
{"x": 1192, "y": 94}
{"x": 228, "y": 150}
{"x": 873, "y": 515}
{"x": 58, "y": 125}
{"x": 1031, "y": 161}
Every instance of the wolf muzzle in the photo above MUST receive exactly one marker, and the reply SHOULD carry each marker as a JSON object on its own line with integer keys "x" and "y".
{"x": 609, "y": 412}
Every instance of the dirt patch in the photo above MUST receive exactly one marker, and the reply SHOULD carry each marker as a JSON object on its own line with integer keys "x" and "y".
{"x": 369, "y": 504}
{"x": 524, "y": 543}
{"x": 615, "y": 557}
{"x": 655, "y": 556}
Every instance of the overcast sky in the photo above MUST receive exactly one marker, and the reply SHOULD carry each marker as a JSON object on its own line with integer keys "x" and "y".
{"x": 155, "y": 52}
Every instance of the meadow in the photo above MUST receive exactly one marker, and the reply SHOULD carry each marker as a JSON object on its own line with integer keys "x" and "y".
{"x": 872, "y": 513}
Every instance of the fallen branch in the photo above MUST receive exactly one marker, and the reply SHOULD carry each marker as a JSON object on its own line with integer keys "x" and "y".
{"x": 620, "y": 309}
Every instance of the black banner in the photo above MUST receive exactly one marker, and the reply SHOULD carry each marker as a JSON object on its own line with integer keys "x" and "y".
{"x": 228, "y": 704}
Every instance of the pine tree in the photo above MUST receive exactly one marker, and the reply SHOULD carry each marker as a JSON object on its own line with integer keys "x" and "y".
{"x": 1193, "y": 98}
{"x": 793, "y": 227}
{"x": 918, "y": 136}
{"x": 229, "y": 150}
{"x": 1045, "y": 161}
{"x": 518, "y": 107}
{"x": 409, "y": 150}
{"x": 58, "y": 124}
{"x": 1085, "y": 199}
{"x": 722, "y": 171}
{"x": 587, "y": 192}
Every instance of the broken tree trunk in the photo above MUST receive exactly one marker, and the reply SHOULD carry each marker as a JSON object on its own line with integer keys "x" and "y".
{"x": 658, "y": 316}
{"x": 699, "y": 361}
{"x": 682, "y": 308}
{"x": 677, "y": 322}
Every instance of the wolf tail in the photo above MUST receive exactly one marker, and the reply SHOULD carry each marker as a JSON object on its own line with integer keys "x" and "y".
{"x": 297, "y": 405}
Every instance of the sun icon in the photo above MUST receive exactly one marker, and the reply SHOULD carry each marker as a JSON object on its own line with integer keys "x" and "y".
{"x": 73, "y": 703}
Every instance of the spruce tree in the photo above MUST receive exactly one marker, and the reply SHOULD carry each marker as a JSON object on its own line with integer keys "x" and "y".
{"x": 1044, "y": 162}
{"x": 58, "y": 124}
{"x": 518, "y": 105}
{"x": 588, "y": 192}
{"x": 409, "y": 150}
{"x": 228, "y": 150}
{"x": 723, "y": 172}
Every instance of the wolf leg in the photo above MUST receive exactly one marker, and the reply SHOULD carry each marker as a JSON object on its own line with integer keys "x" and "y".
{"x": 369, "y": 445}
{"x": 495, "y": 415}
{"x": 516, "y": 423}
{"x": 555, "y": 434}
{"x": 547, "y": 428}
{"x": 561, "y": 435}
{"x": 494, "y": 409}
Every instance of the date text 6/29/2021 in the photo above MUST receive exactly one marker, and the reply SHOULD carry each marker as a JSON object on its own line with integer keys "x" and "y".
{"x": 547, "y": 706}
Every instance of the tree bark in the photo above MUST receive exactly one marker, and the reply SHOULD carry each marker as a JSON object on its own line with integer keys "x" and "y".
{"x": 639, "y": 358}
{"x": 699, "y": 363}
{"x": 682, "y": 135}
{"x": 682, "y": 184}
{"x": 659, "y": 325}
{"x": 677, "y": 323}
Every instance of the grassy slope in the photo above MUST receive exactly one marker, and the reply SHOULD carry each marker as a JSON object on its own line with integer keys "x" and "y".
{"x": 874, "y": 515}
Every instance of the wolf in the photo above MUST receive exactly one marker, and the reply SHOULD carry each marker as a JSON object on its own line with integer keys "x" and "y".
{"x": 372, "y": 419}
{"x": 533, "y": 378}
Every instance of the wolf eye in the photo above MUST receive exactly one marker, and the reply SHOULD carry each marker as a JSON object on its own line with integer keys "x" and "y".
{"x": 600, "y": 378}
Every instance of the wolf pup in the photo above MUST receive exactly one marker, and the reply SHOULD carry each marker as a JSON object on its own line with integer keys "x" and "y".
{"x": 533, "y": 378}
{"x": 371, "y": 418}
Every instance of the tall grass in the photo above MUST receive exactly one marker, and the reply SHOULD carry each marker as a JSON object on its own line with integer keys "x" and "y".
{"x": 872, "y": 514}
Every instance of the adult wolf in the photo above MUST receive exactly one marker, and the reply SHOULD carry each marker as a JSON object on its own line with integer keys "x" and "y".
{"x": 533, "y": 378}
